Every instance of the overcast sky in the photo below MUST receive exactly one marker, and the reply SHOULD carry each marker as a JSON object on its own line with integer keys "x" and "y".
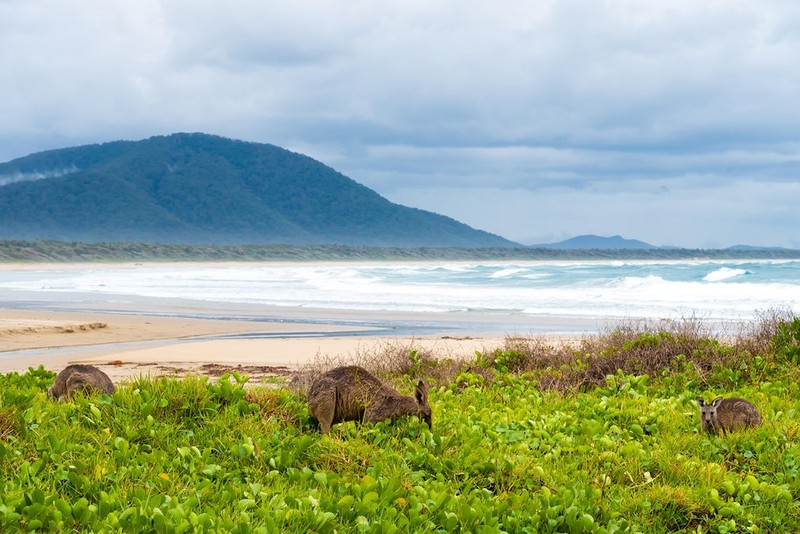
{"x": 674, "y": 122}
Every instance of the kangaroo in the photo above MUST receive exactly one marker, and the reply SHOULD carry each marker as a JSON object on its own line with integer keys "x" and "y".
{"x": 78, "y": 377}
{"x": 727, "y": 415}
{"x": 351, "y": 393}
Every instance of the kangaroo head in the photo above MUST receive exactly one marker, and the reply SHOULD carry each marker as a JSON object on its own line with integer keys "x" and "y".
{"x": 424, "y": 411}
{"x": 708, "y": 412}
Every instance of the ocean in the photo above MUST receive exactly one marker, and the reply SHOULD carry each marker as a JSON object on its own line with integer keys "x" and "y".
{"x": 605, "y": 291}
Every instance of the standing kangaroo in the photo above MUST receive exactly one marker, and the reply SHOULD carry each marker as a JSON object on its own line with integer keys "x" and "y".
{"x": 351, "y": 393}
{"x": 727, "y": 415}
{"x": 78, "y": 377}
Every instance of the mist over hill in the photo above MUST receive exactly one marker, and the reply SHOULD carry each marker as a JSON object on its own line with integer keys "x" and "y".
{"x": 204, "y": 189}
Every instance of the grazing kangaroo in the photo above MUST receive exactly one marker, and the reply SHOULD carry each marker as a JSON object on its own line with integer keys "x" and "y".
{"x": 727, "y": 415}
{"x": 78, "y": 377}
{"x": 351, "y": 393}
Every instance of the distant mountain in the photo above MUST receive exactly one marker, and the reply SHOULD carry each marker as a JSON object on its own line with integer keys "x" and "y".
{"x": 594, "y": 242}
{"x": 204, "y": 189}
{"x": 751, "y": 248}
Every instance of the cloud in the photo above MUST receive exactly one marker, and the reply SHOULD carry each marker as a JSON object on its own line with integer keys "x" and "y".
{"x": 575, "y": 96}
{"x": 740, "y": 213}
{"x": 6, "y": 179}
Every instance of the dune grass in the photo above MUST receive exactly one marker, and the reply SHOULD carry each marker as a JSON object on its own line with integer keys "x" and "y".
{"x": 599, "y": 436}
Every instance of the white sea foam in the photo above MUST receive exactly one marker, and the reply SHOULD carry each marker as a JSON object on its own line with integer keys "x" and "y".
{"x": 716, "y": 290}
{"x": 723, "y": 273}
{"x": 505, "y": 273}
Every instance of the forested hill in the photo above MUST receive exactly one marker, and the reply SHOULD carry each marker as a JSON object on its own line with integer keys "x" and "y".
{"x": 203, "y": 189}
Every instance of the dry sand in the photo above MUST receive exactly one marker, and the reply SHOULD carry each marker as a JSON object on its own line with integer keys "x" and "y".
{"x": 126, "y": 346}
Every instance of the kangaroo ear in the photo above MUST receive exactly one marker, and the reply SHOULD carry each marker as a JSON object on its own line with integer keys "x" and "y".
{"x": 701, "y": 401}
{"x": 421, "y": 393}
{"x": 716, "y": 402}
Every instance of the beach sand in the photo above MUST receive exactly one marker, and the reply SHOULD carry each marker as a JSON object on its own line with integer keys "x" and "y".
{"x": 129, "y": 345}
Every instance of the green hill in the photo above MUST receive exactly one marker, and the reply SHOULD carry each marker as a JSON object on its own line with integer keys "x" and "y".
{"x": 199, "y": 188}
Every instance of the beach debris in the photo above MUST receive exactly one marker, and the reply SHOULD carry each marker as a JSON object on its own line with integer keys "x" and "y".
{"x": 13, "y": 327}
{"x": 727, "y": 415}
{"x": 84, "y": 327}
{"x": 80, "y": 377}
{"x": 257, "y": 371}
{"x": 351, "y": 393}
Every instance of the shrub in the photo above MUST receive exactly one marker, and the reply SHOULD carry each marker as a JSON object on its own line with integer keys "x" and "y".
{"x": 786, "y": 341}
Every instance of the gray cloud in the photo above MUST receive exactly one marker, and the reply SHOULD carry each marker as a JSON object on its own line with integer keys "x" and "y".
{"x": 551, "y": 109}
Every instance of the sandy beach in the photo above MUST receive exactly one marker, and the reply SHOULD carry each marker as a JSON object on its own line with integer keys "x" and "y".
{"x": 126, "y": 346}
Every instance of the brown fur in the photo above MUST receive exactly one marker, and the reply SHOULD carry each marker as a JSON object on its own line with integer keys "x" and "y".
{"x": 727, "y": 415}
{"x": 85, "y": 378}
{"x": 351, "y": 393}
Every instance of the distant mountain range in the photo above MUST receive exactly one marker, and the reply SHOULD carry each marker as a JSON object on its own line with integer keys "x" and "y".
{"x": 594, "y": 242}
{"x": 194, "y": 188}
{"x": 616, "y": 242}
{"x": 203, "y": 189}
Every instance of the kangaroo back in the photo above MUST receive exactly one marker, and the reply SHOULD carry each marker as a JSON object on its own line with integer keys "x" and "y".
{"x": 351, "y": 393}
{"x": 85, "y": 378}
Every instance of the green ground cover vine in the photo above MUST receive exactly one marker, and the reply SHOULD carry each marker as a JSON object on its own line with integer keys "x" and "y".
{"x": 512, "y": 449}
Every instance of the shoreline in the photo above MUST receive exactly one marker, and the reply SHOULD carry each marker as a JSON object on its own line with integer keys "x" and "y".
{"x": 127, "y": 345}
{"x": 127, "y": 335}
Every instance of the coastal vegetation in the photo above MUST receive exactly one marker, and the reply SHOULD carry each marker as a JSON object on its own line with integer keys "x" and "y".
{"x": 15, "y": 251}
{"x": 598, "y": 436}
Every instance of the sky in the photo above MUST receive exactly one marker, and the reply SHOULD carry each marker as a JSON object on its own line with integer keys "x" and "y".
{"x": 675, "y": 122}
